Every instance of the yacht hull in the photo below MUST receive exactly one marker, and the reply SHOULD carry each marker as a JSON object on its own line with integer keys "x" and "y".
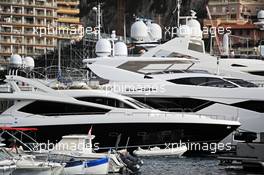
{"x": 139, "y": 133}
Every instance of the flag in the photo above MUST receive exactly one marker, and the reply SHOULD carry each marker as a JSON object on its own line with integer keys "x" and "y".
{"x": 90, "y": 131}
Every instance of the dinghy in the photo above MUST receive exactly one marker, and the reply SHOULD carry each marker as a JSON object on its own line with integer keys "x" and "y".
{"x": 156, "y": 151}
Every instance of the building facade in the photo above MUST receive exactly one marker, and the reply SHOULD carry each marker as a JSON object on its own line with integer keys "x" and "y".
{"x": 20, "y": 25}
{"x": 33, "y": 27}
{"x": 239, "y": 16}
{"x": 69, "y": 26}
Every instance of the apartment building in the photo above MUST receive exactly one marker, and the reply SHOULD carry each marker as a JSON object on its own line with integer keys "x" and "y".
{"x": 239, "y": 15}
{"x": 19, "y": 21}
{"x": 33, "y": 27}
{"x": 68, "y": 19}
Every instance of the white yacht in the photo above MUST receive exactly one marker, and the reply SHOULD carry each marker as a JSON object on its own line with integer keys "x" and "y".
{"x": 182, "y": 90}
{"x": 189, "y": 44}
{"x": 56, "y": 114}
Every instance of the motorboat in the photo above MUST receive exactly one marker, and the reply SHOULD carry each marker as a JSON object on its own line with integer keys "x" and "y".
{"x": 56, "y": 114}
{"x": 157, "y": 151}
{"x": 76, "y": 152}
{"x": 7, "y": 165}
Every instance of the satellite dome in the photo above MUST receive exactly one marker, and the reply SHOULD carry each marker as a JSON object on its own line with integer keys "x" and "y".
{"x": 15, "y": 60}
{"x": 29, "y": 62}
{"x": 184, "y": 31}
{"x": 103, "y": 48}
{"x": 261, "y": 15}
{"x": 120, "y": 49}
{"x": 139, "y": 30}
{"x": 193, "y": 23}
{"x": 195, "y": 27}
{"x": 155, "y": 31}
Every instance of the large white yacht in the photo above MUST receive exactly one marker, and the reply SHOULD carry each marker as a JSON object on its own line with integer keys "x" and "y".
{"x": 57, "y": 113}
{"x": 189, "y": 44}
{"x": 182, "y": 90}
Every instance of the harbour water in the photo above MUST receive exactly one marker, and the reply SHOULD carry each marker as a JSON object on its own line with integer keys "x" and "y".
{"x": 188, "y": 166}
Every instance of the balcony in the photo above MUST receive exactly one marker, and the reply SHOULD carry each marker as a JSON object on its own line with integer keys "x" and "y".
{"x": 68, "y": 11}
{"x": 5, "y": 41}
{"x": 6, "y": 29}
{"x": 69, "y": 20}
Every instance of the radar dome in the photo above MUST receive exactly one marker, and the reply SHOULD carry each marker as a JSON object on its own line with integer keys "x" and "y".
{"x": 139, "y": 30}
{"x": 261, "y": 15}
{"x": 103, "y": 48}
{"x": 15, "y": 60}
{"x": 195, "y": 27}
{"x": 184, "y": 31}
{"x": 155, "y": 31}
{"x": 29, "y": 62}
{"x": 120, "y": 49}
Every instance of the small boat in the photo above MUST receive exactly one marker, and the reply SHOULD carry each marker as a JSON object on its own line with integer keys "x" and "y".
{"x": 96, "y": 166}
{"x": 156, "y": 151}
{"x": 76, "y": 152}
{"x": 24, "y": 163}
{"x": 28, "y": 165}
{"x": 7, "y": 165}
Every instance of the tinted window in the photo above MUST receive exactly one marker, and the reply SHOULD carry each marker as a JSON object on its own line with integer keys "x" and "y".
{"x": 139, "y": 104}
{"x": 260, "y": 73}
{"x": 196, "y": 47}
{"x": 252, "y": 105}
{"x": 5, "y": 104}
{"x": 242, "y": 83}
{"x": 55, "y": 109}
{"x": 176, "y": 104}
{"x": 106, "y": 101}
{"x": 203, "y": 81}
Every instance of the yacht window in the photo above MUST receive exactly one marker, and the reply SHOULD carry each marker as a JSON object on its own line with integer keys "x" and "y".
{"x": 106, "y": 101}
{"x": 259, "y": 73}
{"x": 238, "y": 65}
{"x": 5, "y": 104}
{"x": 242, "y": 83}
{"x": 176, "y": 104}
{"x": 139, "y": 104}
{"x": 57, "y": 108}
{"x": 204, "y": 81}
{"x": 252, "y": 105}
{"x": 195, "y": 47}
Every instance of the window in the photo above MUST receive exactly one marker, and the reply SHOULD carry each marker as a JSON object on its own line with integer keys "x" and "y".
{"x": 5, "y": 104}
{"x": 252, "y": 105}
{"x": 259, "y": 73}
{"x": 195, "y": 47}
{"x": 57, "y": 108}
{"x": 106, "y": 101}
{"x": 242, "y": 83}
{"x": 204, "y": 81}
{"x": 176, "y": 104}
{"x": 139, "y": 104}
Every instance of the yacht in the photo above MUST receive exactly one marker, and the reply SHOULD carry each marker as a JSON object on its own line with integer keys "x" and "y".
{"x": 182, "y": 90}
{"x": 189, "y": 44}
{"x": 56, "y": 114}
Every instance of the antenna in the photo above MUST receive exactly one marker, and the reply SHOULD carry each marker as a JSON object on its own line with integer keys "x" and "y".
{"x": 178, "y": 12}
{"x": 98, "y": 18}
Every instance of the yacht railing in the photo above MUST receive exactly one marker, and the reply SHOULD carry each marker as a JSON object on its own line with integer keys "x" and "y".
{"x": 150, "y": 115}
